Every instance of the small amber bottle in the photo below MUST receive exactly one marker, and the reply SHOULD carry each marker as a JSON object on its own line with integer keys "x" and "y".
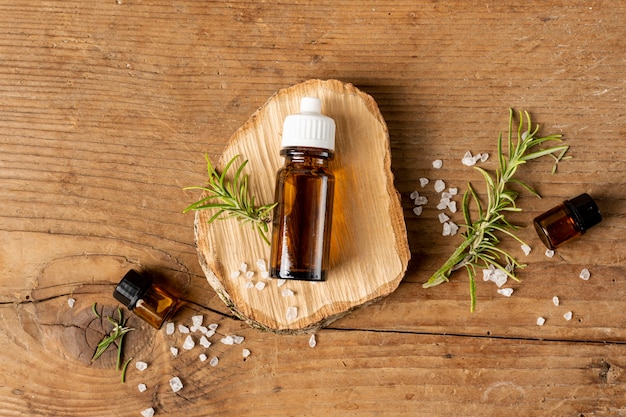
{"x": 304, "y": 192}
{"x": 147, "y": 300}
{"x": 567, "y": 221}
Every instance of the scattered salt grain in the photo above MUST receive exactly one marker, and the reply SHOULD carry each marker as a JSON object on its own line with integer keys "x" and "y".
{"x": 440, "y": 186}
{"x": 468, "y": 159}
{"x": 437, "y": 163}
{"x": 71, "y": 302}
{"x": 540, "y": 321}
{"x": 142, "y": 366}
{"x": 245, "y": 353}
{"x": 249, "y": 285}
{"x": 499, "y": 277}
{"x": 176, "y": 384}
{"x": 287, "y": 293}
{"x": 265, "y": 274}
{"x": 443, "y": 204}
{"x": 280, "y": 282}
{"x": 238, "y": 339}
{"x": 526, "y": 249}
{"x": 183, "y": 329}
{"x": 202, "y": 357}
{"x": 249, "y": 274}
{"x": 213, "y": 326}
{"x": 549, "y": 253}
{"x": 453, "y": 191}
{"x": 524, "y": 135}
{"x": 450, "y": 229}
{"x": 420, "y": 200}
{"x": 452, "y": 206}
{"x": 418, "y": 210}
{"x": 228, "y": 340}
{"x": 585, "y": 274}
{"x": 556, "y": 301}
{"x": 235, "y": 274}
{"x": 197, "y": 321}
{"x": 174, "y": 351}
{"x": 507, "y": 292}
{"x": 214, "y": 361}
{"x": 260, "y": 285}
{"x": 142, "y": 387}
{"x": 414, "y": 195}
{"x": 484, "y": 157}
{"x": 424, "y": 182}
{"x": 261, "y": 265}
{"x": 188, "y": 344}
{"x": 148, "y": 412}
{"x": 568, "y": 316}
{"x": 443, "y": 217}
{"x": 312, "y": 341}
{"x": 243, "y": 267}
{"x": 292, "y": 313}
{"x": 169, "y": 328}
{"x": 204, "y": 342}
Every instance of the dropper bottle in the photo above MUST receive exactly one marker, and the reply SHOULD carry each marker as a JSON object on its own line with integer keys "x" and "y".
{"x": 304, "y": 192}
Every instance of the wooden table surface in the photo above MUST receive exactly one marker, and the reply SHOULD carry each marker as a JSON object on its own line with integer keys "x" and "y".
{"x": 106, "y": 110}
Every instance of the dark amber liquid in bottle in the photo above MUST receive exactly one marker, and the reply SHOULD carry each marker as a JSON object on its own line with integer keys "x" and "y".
{"x": 155, "y": 306}
{"x": 302, "y": 219}
{"x": 557, "y": 226}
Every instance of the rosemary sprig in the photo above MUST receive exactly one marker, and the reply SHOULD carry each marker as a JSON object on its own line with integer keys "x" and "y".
{"x": 480, "y": 247}
{"x": 230, "y": 197}
{"x": 115, "y": 336}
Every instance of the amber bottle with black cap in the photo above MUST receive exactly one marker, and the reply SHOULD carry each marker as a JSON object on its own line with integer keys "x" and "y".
{"x": 567, "y": 221}
{"x": 143, "y": 297}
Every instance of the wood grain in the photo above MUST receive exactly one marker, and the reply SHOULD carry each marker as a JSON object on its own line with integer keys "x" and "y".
{"x": 106, "y": 109}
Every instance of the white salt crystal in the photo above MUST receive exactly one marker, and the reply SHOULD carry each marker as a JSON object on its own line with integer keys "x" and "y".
{"x": 417, "y": 210}
{"x": 312, "y": 341}
{"x": 261, "y": 265}
{"x": 526, "y": 249}
{"x": 452, "y": 206}
{"x": 148, "y": 412}
{"x": 238, "y": 339}
{"x": 188, "y": 344}
{"x": 292, "y": 313}
{"x": 200, "y": 329}
{"x": 568, "y": 316}
{"x": 243, "y": 267}
{"x": 176, "y": 384}
{"x": 71, "y": 302}
{"x": 174, "y": 351}
{"x": 424, "y": 182}
{"x": 487, "y": 274}
{"x": 540, "y": 321}
{"x": 169, "y": 328}
{"x": 280, "y": 282}
{"x": 507, "y": 292}
{"x": 420, "y": 201}
{"x": 555, "y": 301}
{"x": 204, "y": 342}
{"x": 183, "y": 329}
{"x": 484, "y": 157}
{"x": 450, "y": 229}
{"x": 228, "y": 340}
{"x": 287, "y": 292}
{"x": 249, "y": 274}
{"x": 443, "y": 204}
{"x": 585, "y": 274}
{"x": 524, "y": 135}
{"x": 197, "y": 321}
{"x": 214, "y": 361}
{"x": 142, "y": 366}
{"x": 235, "y": 274}
{"x": 549, "y": 253}
{"x": 468, "y": 159}
{"x": 265, "y": 274}
{"x": 202, "y": 357}
{"x": 245, "y": 353}
{"x": 260, "y": 285}
{"x": 142, "y": 387}
{"x": 437, "y": 163}
{"x": 213, "y": 326}
{"x": 453, "y": 191}
{"x": 249, "y": 285}
{"x": 499, "y": 277}
{"x": 440, "y": 186}
{"x": 446, "y": 194}
{"x": 477, "y": 157}
{"x": 414, "y": 195}
{"x": 443, "y": 217}
{"x": 210, "y": 333}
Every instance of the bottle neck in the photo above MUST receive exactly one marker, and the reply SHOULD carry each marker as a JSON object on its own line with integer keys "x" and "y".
{"x": 317, "y": 156}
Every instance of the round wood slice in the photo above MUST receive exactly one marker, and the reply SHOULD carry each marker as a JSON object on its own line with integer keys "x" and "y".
{"x": 369, "y": 247}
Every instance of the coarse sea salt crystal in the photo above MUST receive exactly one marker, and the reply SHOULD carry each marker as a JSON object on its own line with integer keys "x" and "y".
{"x": 142, "y": 387}
{"x": 214, "y": 361}
{"x": 418, "y": 210}
{"x": 169, "y": 328}
{"x": 453, "y": 191}
{"x": 176, "y": 384}
{"x": 213, "y": 326}
{"x": 484, "y": 157}
{"x": 238, "y": 339}
{"x": 188, "y": 344}
{"x": 204, "y": 342}
{"x": 420, "y": 200}
{"x": 249, "y": 274}
{"x": 526, "y": 249}
{"x": 437, "y": 163}
{"x": 556, "y": 301}
{"x": 424, "y": 182}
{"x": 280, "y": 282}
{"x": 235, "y": 274}
{"x": 414, "y": 195}
{"x": 197, "y": 321}
{"x": 585, "y": 274}
{"x": 468, "y": 159}
{"x": 148, "y": 412}
{"x": 260, "y": 285}
{"x": 499, "y": 277}
{"x": 443, "y": 204}
{"x": 243, "y": 267}
{"x": 261, "y": 264}
{"x": 443, "y": 217}
{"x": 71, "y": 302}
{"x": 292, "y": 313}
{"x": 249, "y": 285}
{"x": 174, "y": 351}
{"x": 507, "y": 292}
{"x": 568, "y": 316}
{"x": 287, "y": 292}
{"x": 142, "y": 366}
{"x": 202, "y": 357}
{"x": 540, "y": 321}
{"x": 245, "y": 353}
{"x": 228, "y": 340}
{"x": 549, "y": 253}
{"x": 183, "y": 329}
{"x": 265, "y": 274}
{"x": 440, "y": 186}
{"x": 450, "y": 229}
{"x": 452, "y": 206}
{"x": 312, "y": 341}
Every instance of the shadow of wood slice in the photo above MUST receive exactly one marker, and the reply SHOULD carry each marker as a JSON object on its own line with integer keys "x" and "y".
{"x": 369, "y": 248}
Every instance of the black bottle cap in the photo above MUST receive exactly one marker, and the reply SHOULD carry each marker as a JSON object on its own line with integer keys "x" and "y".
{"x": 130, "y": 288}
{"x": 585, "y": 211}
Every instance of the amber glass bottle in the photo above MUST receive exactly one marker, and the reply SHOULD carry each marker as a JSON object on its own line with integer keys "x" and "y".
{"x": 147, "y": 300}
{"x": 304, "y": 192}
{"x": 567, "y": 221}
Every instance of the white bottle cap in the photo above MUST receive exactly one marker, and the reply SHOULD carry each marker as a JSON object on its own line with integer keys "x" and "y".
{"x": 309, "y": 128}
